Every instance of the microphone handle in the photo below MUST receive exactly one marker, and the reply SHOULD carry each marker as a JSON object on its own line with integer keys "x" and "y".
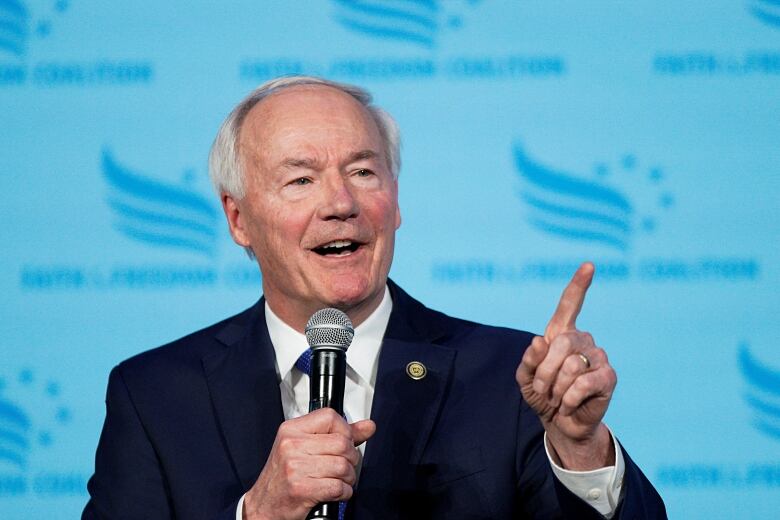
{"x": 326, "y": 390}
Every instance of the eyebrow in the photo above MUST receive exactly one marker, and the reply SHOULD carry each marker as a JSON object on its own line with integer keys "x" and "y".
{"x": 362, "y": 155}
{"x": 312, "y": 164}
{"x": 309, "y": 164}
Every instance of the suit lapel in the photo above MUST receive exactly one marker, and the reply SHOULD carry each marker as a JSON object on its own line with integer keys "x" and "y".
{"x": 405, "y": 409}
{"x": 244, "y": 390}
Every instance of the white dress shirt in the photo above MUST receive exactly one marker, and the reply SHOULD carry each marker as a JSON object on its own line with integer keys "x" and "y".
{"x": 600, "y": 488}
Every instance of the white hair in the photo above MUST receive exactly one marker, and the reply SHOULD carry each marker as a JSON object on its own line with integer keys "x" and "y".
{"x": 225, "y": 165}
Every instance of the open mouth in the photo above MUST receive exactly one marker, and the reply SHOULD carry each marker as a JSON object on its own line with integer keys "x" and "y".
{"x": 337, "y": 248}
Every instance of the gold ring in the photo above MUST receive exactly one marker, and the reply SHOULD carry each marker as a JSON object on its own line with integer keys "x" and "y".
{"x": 585, "y": 360}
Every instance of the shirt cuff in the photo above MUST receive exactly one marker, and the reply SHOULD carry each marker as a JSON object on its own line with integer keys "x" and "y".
{"x": 600, "y": 488}
{"x": 240, "y": 508}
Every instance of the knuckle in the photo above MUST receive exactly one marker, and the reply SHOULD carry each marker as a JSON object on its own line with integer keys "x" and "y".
{"x": 535, "y": 351}
{"x": 324, "y": 414}
{"x": 612, "y": 377}
{"x": 346, "y": 444}
{"x": 571, "y": 366}
{"x": 563, "y": 341}
{"x": 571, "y": 399}
{"x": 354, "y": 456}
{"x": 557, "y": 395}
{"x": 297, "y": 489}
{"x": 333, "y": 489}
{"x": 343, "y": 467}
{"x": 284, "y": 429}
{"x": 288, "y": 469}
{"x": 544, "y": 373}
{"x": 584, "y": 385}
{"x": 287, "y": 444}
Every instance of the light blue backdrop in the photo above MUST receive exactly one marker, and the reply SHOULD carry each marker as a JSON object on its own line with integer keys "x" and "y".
{"x": 643, "y": 135}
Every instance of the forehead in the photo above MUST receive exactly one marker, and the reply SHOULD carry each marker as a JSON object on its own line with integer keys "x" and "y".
{"x": 308, "y": 116}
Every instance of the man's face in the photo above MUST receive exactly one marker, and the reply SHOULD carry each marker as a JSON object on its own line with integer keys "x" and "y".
{"x": 321, "y": 206}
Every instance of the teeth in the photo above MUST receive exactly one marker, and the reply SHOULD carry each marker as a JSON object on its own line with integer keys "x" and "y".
{"x": 338, "y": 243}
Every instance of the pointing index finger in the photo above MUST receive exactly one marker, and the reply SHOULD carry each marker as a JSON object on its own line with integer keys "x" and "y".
{"x": 565, "y": 316}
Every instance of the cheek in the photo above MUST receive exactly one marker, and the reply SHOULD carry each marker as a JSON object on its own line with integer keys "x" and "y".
{"x": 279, "y": 222}
{"x": 384, "y": 211}
{"x": 283, "y": 235}
{"x": 386, "y": 219}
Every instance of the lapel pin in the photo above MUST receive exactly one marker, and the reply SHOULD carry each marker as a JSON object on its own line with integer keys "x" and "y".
{"x": 416, "y": 370}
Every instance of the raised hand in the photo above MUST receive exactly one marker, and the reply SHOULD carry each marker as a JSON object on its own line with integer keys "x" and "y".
{"x": 312, "y": 460}
{"x": 569, "y": 382}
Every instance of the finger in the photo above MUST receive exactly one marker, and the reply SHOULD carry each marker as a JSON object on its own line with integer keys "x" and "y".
{"x": 600, "y": 383}
{"x": 330, "y": 466}
{"x": 565, "y": 315}
{"x": 334, "y": 444}
{"x": 573, "y": 366}
{"x": 547, "y": 372}
{"x": 324, "y": 420}
{"x": 331, "y": 490}
{"x": 533, "y": 355}
{"x": 362, "y": 431}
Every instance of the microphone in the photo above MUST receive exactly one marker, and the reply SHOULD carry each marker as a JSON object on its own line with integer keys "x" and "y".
{"x": 329, "y": 333}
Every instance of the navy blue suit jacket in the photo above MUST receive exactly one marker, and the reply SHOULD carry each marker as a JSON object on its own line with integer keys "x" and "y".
{"x": 189, "y": 426}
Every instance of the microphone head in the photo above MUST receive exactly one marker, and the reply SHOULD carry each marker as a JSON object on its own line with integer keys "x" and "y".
{"x": 329, "y": 328}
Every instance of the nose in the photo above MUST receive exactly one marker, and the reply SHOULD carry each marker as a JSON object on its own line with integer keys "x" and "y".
{"x": 339, "y": 202}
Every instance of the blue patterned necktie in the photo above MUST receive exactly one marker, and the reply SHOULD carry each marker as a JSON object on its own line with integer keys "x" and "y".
{"x": 303, "y": 363}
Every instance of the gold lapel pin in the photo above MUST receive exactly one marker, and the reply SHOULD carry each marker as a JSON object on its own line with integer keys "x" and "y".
{"x": 416, "y": 370}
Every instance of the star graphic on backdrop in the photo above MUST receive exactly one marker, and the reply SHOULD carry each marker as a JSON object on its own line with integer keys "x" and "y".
{"x": 53, "y": 389}
{"x": 26, "y": 376}
{"x": 44, "y": 438}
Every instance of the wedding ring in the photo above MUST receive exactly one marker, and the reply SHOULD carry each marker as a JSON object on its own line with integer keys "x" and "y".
{"x": 585, "y": 360}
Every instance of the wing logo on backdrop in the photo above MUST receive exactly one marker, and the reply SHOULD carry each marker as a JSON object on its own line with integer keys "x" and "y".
{"x": 23, "y": 23}
{"x": 413, "y": 21}
{"x": 763, "y": 394}
{"x": 177, "y": 227}
{"x": 416, "y": 28}
{"x": 571, "y": 207}
{"x": 14, "y": 23}
{"x": 14, "y": 435}
{"x": 160, "y": 214}
{"x": 29, "y": 419}
{"x": 768, "y": 11}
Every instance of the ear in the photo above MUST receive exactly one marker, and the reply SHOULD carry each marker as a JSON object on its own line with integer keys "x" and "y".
{"x": 397, "y": 208}
{"x": 235, "y": 218}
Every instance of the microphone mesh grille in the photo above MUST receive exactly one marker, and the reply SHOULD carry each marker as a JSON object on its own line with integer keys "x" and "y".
{"x": 329, "y": 328}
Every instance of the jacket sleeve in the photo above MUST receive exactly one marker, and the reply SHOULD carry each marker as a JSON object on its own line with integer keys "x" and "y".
{"x": 128, "y": 481}
{"x": 639, "y": 499}
{"x": 541, "y": 495}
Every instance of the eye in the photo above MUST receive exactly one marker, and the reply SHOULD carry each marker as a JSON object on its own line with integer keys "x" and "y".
{"x": 363, "y": 172}
{"x": 301, "y": 181}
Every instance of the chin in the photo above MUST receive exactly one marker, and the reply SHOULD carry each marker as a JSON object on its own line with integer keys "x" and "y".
{"x": 348, "y": 292}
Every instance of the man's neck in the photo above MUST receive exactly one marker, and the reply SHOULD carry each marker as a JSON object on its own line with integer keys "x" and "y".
{"x": 297, "y": 315}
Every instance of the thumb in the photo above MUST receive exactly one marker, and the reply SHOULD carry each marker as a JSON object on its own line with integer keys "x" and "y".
{"x": 362, "y": 431}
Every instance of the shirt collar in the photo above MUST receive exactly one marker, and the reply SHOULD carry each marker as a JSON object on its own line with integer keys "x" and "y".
{"x": 362, "y": 355}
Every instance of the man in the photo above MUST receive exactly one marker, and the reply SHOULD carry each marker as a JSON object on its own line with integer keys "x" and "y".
{"x": 307, "y": 174}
